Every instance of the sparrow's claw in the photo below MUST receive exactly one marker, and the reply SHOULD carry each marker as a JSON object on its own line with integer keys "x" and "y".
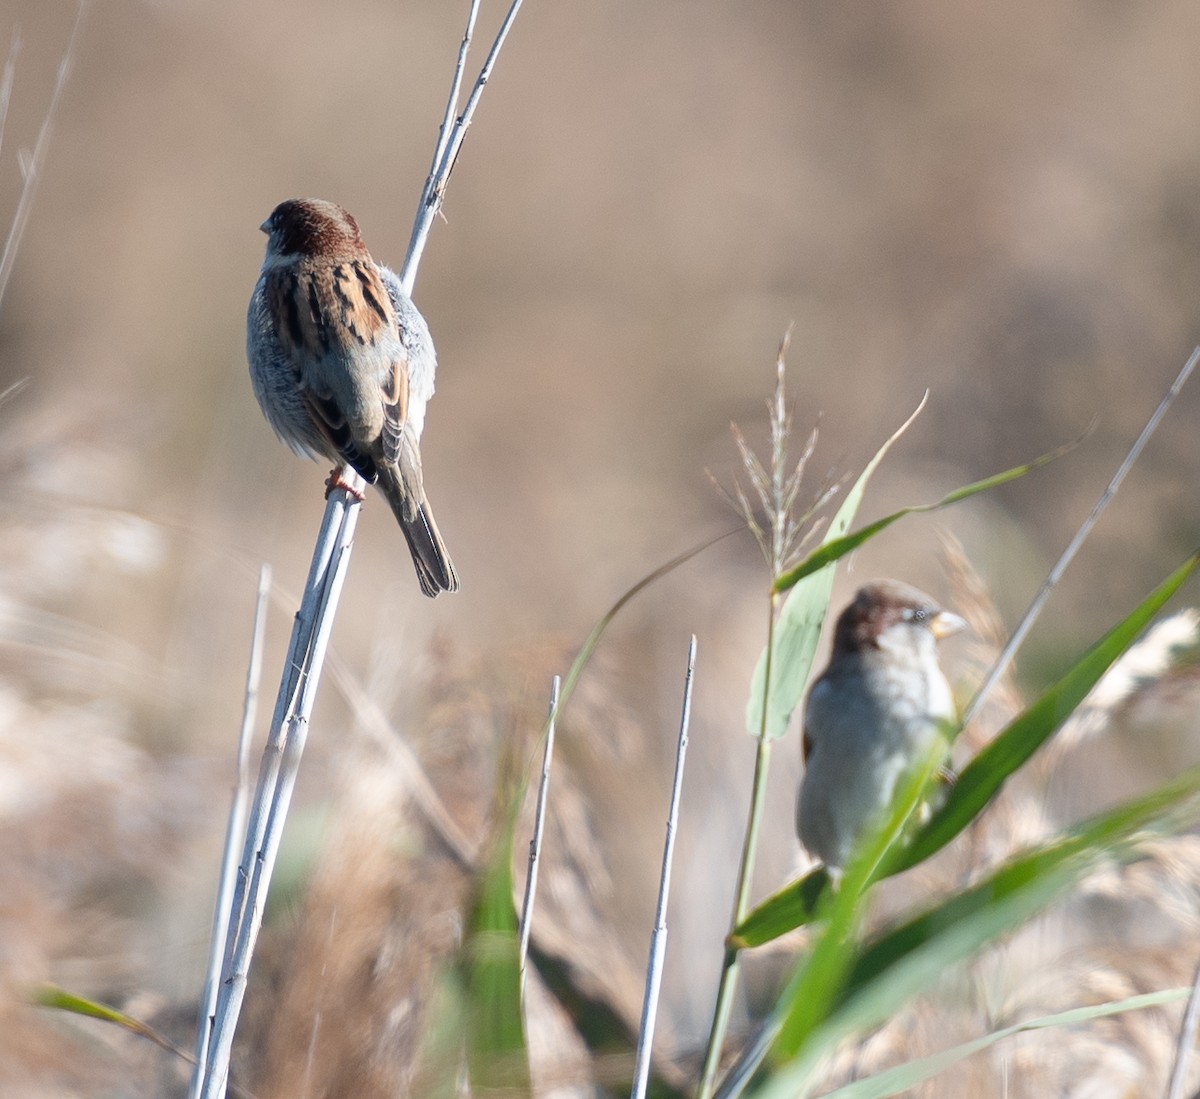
{"x": 335, "y": 480}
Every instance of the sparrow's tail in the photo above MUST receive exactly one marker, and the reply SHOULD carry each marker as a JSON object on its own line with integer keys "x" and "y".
{"x": 408, "y": 503}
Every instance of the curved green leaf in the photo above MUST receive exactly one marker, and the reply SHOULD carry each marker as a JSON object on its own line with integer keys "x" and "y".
{"x": 61, "y": 1000}
{"x": 833, "y": 548}
{"x": 905, "y": 961}
{"x": 791, "y": 907}
{"x": 496, "y": 1057}
{"x": 981, "y": 780}
{"x": 902, "y": 1078}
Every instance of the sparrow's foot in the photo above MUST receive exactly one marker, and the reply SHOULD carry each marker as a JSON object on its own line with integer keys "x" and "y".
{"x": 335, "y": 480}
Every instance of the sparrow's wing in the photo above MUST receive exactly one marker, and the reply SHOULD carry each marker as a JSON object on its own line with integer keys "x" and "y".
{"x": 328, "y": 419}
{"x": 395, "y": 409}
{"x": 371, "y": 334}
{"x": 336, "y": 326}
{"x": 414, "y": 335}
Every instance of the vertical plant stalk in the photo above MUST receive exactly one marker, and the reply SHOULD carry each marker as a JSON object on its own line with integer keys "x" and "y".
{"x": 731, "y": 965}
{"x": 235, "y": 832}
{"x": 539, "y": 825}
{"x": 6, "y": 82}
{"x": 31, "y": 164}
{"x": 658, "y": 940}
{"x": 777, "y": 491}
{"x": 306, "y": 656}
{"x": 450, "y": 139}
{"x": 277, "y": 778}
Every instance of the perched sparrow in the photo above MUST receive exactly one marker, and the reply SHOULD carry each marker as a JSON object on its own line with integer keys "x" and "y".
{"x": 342, "y": 365}
{"x": 876, "y": 710}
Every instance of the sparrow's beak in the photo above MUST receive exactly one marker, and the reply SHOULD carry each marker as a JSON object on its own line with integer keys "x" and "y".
{"x": 265, "y": 227}
{"x": 945, "y": 623}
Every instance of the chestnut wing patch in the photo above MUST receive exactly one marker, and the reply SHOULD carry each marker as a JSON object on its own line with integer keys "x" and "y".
{"x": 293, "y": 302}
{"x": 365, "y": 307}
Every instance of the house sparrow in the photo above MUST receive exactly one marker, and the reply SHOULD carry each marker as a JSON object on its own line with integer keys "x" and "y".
{"x": 342, "y": 365}
{"x": 877, "y": 709}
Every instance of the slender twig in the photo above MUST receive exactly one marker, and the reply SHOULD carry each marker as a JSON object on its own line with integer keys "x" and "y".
{"x": 235, "y": 832}
{"x": 1186, "y": 1044}
{"x": 731, "y": 962}
{"x": 13, "y": 389}
{"x": 539, "y": 826}
{"x": 276, "y": 779}
{"x": 6, "y": 81}
{"x": 751, "y": 1056}
{"x": 658, "y": 941}
{"x": 450, "y": 141}
{"x": 485, "y": 74}
{"x": 448, "y": 119}
{"x": 32, "y": 165}
{"x": 1060, "y": 566}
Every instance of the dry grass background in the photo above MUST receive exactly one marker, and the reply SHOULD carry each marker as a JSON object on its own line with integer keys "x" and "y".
{"x": 997, "y": 203}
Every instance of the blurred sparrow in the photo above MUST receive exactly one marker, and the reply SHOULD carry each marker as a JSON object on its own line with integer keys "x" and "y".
{"x": 878, "y": 708}
{"x": 342, "y": 365}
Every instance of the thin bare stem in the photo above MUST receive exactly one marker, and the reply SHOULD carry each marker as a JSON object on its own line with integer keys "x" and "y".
{"x": 447, "y": 125}
{"x": 1186, "y": 1043}
{"x": 6, "y": 81}
{"x": 777, "y": 490}
{"x": 1048, "y": 585}
{"x": 658, "y": 941}
{"x": 277, "y": 777}
{"x": 539, "y": 825}
{"x": 731, "y": 964}
{"x": 450, "y": 143}
{"x": 32, "y": 166}
{"x": 235, "y": 832}
{"x": 13, "y": 389}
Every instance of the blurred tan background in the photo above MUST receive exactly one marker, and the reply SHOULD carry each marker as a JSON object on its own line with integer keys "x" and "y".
{"x": 995, "y": 203}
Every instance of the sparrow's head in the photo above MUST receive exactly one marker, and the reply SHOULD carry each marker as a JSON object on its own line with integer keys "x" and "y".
{"x": 312, "y": 227}
{"x": 890, "y": 615}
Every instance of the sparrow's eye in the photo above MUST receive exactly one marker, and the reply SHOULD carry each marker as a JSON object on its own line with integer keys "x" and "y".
{"x": 917, "y": 615}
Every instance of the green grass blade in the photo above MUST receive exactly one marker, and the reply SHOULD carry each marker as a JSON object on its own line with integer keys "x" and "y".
{"x": 910, "y": 959}
{"x": 820, "y": 977}
{"x": 798, "y": 629}
{"x": 61, "y": 1000}
{"x": 982, "y": 778}
{"x": 496, "y": 1057}
{"x": 496, "y": 1054}
{"x": 834, "y": 547}
{"x": 816, "y": 984}
{"x": 593, "y": 639}
{"x": 791, "y": 907}
{"x": 1095, "y": 838}
{"x": 902, "y": 1078}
